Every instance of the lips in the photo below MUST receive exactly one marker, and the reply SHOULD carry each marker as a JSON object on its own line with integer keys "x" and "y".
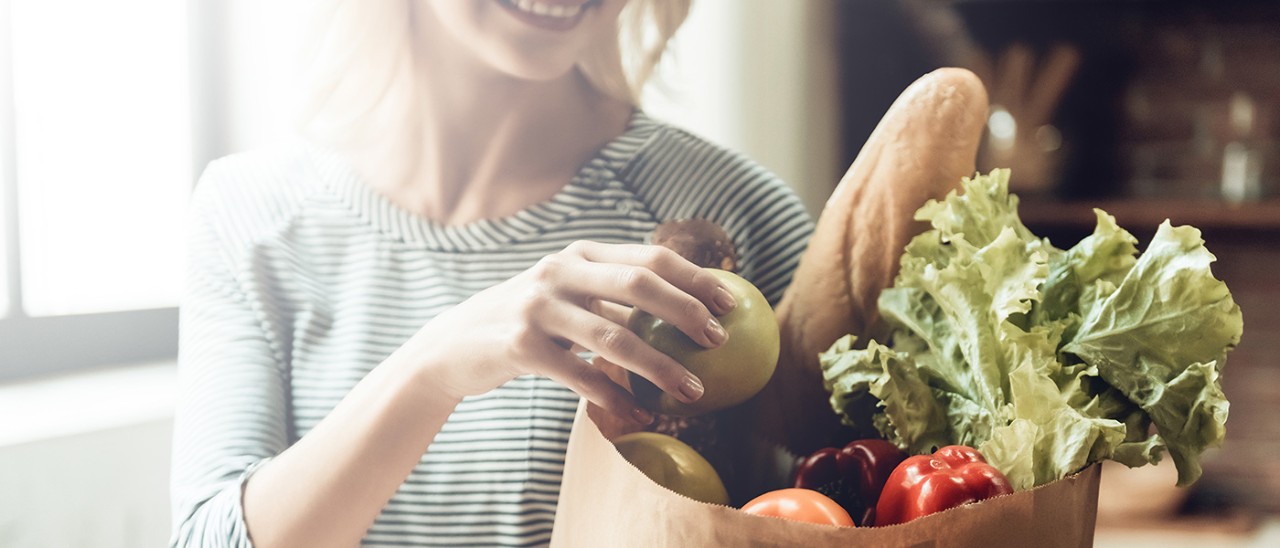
{"x": 556, "y": 16}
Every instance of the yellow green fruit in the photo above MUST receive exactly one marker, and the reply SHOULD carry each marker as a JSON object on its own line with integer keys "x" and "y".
{"x": 731, "y": 373}
{"x": 671, "y": 463}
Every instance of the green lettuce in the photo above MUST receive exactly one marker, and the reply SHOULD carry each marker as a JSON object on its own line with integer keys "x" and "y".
{"x": 1046, "y": 360}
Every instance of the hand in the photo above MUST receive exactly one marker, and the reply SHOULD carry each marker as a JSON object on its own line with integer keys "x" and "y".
{"x": 577, "y": 298}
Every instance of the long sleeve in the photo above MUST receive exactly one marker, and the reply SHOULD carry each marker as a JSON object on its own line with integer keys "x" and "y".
{"x": 231, "y": 413}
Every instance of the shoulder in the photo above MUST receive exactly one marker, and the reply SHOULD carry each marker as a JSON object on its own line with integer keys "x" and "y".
{"x": 245, "y": 195}
{"x": 272, "y": 177}
{"x": 676, "y": 170}
{"x": 679, "y": 175}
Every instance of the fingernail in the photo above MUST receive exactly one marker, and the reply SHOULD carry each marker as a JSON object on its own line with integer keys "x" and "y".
{"x": 724, "y": 300}
{"x": 715, "y": 332}
{"x": 641, "y": 416}
{"x": 691, "y": 389}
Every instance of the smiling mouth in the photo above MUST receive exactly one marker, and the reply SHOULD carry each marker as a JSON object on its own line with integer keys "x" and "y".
{"x": 550, "y": 16}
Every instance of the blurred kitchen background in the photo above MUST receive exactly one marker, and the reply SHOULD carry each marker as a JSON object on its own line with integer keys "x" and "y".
{"x": 109, "y": 110}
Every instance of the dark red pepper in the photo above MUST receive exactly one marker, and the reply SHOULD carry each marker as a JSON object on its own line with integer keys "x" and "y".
{"x": 853, "y": 475}
{"x": 950, "y": 477}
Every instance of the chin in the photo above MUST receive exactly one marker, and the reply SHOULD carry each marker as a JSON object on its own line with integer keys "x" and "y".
{"x": 532, "y": 52}
{"x": 523, "y": 67}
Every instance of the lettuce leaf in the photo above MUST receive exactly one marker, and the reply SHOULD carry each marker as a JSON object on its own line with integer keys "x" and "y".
{"x": 1104, "y": 256}
{"x": 1045, "y": 360}
{"x": 1159, "y": 339}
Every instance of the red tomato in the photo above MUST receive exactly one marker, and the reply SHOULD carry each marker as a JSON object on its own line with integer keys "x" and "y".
{"x": 800, "y": 505}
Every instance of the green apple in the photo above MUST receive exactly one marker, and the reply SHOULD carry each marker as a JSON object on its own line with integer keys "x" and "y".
{"x": 671, "y": 463}
{"x": 732, "y": 372}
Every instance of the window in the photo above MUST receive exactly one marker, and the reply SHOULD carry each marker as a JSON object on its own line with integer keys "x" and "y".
{"x": 96, "y": 164}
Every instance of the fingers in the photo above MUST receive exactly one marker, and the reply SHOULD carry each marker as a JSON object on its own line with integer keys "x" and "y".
{"x": 615, "y": 372}
{"x": 654, "y": 279}
{"x": 667, "y": 264}
{"x": 593, "y": 384}
{"x": 616, "y": 344}
{"x": 613, "y": 312}
{"x": 648, "y": 291}
{"x": 599, "y": 280}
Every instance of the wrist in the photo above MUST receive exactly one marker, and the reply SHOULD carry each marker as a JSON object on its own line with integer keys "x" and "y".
{"x": 427, "y": 377}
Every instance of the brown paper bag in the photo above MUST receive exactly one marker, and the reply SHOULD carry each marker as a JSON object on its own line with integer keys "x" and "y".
{"x": 607, "y": 502}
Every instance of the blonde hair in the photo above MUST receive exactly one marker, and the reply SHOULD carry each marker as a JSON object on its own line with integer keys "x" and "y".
{"x": 360, "y": 50}
{"x": 621, "y": 68}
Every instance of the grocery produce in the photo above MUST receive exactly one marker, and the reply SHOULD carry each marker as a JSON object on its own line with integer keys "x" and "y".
{"x": 800, "y": 505}
{"x": 919, "y": 151}
{"x": 926, "y": 484}
{"x": 730, "y": 373}
{"x": 672, "y": 464}
{"x": 699, "y": 241}
{"x": 1044, "y": 359}
{"x": 852, "y": 475}
{"x": 924, "y": 145}
{"x": 705, "y": 244}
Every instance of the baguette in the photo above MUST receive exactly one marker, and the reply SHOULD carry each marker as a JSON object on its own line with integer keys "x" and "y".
{"x": 925, "y": 143}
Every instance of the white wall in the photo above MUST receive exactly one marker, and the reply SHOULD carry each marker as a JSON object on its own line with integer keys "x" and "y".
{"x": 758, "y": 76}
{"x": 84, "y": 459}
{"x": 261, "y": 67}
{"x": 103, "y": 489}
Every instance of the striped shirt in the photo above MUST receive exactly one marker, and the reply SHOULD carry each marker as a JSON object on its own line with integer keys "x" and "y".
{"x": 301, "y": 279}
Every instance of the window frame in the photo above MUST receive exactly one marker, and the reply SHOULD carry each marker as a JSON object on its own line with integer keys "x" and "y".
{"x": 50, "y": 345}
{"x": 61, "y": 344}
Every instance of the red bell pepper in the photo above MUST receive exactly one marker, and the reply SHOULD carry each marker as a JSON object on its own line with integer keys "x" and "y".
{"x": 950, "y": 477}
{"x": 852, "y": 475}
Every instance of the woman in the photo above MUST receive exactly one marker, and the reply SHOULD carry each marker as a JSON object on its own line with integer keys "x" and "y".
{"x": 381, "y": 335}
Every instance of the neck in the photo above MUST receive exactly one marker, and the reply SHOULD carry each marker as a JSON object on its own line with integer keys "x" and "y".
{"x": 480, "y": 144}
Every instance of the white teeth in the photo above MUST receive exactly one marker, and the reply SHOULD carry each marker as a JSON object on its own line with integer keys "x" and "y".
{"x": 546, "y": 10}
